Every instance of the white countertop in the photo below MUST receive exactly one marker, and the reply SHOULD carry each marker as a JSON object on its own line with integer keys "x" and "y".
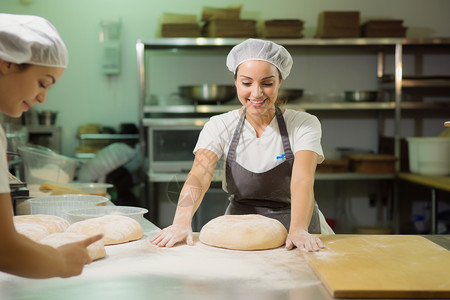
{"x": 140, "y": 270}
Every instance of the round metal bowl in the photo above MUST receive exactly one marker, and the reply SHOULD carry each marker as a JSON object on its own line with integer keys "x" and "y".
{"x": 290, "y": 94}
{"x": 361, "y": 96}
{"x": 208, "y": 93}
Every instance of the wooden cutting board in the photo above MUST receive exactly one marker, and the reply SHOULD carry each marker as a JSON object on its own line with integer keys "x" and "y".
{"x": 382, "y": 266}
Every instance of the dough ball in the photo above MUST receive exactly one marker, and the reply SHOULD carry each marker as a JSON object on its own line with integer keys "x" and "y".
{"x": 116, "y": 229}
{"x": 34, "y": 232}
{"x": 52, "y": 223}
{"x": 95, "y": 250}
{"x": 243, "y": 232}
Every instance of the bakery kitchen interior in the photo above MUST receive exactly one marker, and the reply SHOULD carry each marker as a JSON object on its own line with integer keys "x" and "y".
{"x": 117, "y": 132}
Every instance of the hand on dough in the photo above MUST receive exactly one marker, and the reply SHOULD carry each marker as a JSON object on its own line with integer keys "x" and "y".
{"x": 173, "y": 234}
{"x": 304, "y": 241}
{"x": 75, "y": 255}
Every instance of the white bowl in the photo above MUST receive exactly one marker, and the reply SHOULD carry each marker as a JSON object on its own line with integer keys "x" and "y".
{"x": 81, "y": 214}
{"x": 58, "y": 204}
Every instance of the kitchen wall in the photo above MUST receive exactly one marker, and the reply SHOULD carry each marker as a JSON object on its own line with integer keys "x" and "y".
{"x": 85, "y": 95}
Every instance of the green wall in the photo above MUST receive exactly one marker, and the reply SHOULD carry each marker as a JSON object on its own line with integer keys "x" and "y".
{"x": 85, "y": 95}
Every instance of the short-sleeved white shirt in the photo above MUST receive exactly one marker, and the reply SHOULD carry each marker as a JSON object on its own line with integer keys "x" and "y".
{"x": 4, "y": 169}
{"x": 264, "y": 153}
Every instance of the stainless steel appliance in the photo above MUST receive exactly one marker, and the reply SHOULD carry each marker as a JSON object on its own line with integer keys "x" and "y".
{"x": 170, "y": 147}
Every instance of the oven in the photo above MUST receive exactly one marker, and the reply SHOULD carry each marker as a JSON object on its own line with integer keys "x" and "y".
{"x": 170, "y": 145}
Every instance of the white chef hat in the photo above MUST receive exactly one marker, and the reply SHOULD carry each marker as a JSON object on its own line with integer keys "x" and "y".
{"x": 31, "y": 40}
{"x": 254, "y": 49}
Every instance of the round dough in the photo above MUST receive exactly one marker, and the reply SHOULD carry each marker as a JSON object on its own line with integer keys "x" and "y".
{"x": 95, "y": 250}
{"x": 116, "y": 229}
{"x": 34, "y": 232}
{"x": 52, "y": 223}
{"x": 243, "y": 232}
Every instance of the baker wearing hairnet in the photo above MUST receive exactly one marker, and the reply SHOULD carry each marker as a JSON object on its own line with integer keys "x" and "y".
{"x": 271, "y": 153}
{"x": 32, "y": 59}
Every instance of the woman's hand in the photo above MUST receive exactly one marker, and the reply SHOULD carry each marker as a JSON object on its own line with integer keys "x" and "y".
{"x": 75, "y": 256}
{"x": 173, "y": 234}
{"x": 304, "y": 241}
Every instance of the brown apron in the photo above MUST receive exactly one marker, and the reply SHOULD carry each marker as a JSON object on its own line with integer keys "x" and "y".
{"x": 266, "y": 193}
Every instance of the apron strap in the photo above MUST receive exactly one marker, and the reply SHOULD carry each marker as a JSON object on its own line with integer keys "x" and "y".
{"x": 284, "y": 134}
{"x": 234, "y": 142}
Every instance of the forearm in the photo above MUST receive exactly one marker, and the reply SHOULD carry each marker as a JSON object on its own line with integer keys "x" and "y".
{"x": 23, "y": 257}
{"x": 190, "y": 199}
{"x": 195, "y": 187}
{"x": 302, "y": 204}
{"x": 20, "y": 255}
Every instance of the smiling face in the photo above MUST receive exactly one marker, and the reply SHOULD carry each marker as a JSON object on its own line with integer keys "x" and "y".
{"x": 257, "y": 83}
{"x": 21, "y": 88}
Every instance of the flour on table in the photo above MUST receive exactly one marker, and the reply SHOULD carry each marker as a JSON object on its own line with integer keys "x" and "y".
{"x": 274, "y": 269}
{"x": 243, "y": 232}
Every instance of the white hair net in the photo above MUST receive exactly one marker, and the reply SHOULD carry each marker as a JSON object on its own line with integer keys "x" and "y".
{"x": 31, "y": 40}
{"x": 254, "y": 49}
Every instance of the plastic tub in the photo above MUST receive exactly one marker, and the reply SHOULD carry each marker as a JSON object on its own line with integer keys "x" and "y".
{"x": 58, "y": 205}
{"x": 429, "y": 155}
{"x": 43, "y": 165}
{"x": 81, "y": 214}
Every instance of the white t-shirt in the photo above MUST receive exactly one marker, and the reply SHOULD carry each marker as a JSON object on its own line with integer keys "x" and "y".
{"x": 4, "y": 169}
{"x": 264, "y": 153}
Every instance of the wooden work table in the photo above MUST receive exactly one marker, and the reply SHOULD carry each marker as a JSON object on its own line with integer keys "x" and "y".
{"x": 434, "y": 183}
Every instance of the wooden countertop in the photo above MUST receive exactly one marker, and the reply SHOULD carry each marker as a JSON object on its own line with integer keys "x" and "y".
{"x": 438, "y": 182}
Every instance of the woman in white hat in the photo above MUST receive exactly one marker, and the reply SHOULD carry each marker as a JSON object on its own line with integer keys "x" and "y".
{"x": 32, "y": 59}
{"x": 270, "y": 153}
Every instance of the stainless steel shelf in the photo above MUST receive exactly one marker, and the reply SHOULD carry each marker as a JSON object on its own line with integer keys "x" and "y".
{"x": 228, "y": 42}
{"x": 425, "y": 105}
{"x": 217, "y": 176}
{"x": 417, "y": 82}
{"x": 296, "y": 106}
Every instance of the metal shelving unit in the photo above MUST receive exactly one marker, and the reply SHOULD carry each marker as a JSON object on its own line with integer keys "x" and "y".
{"x": 378, "y": 46}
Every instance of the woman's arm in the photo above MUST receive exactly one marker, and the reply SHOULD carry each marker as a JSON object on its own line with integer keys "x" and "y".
{"x": 302, "y": 202}
{"x": 23, "y": 257}
{"x": 195, "y": 187}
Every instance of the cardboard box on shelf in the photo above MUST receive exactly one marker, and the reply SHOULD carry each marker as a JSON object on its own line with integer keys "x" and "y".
{"x": 338, "y": 24}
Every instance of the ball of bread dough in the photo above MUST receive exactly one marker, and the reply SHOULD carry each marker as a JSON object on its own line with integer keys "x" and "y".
{"x": 116, "y": 229}
{"x": 52, "y": 223}
{"x": 34, "y": 232}
{"x": 95, "y": 250}
{"x": 244, "y": 232}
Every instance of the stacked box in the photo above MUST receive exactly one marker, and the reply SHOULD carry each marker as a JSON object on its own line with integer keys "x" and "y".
{"x": 179, "y": 25}
{"x": 338, "y": 24}
{"x": 283, "y": 29}
{"x": 229, "y": 13}
{"x": 230, "y": 28}
{"x": 180, "y": 30}
{"x": 383, "y": 28}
